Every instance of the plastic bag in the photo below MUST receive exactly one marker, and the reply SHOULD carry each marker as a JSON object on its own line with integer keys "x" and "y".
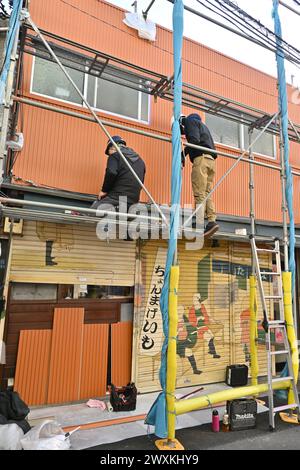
{"x": 12, "y": 406}
{"x": 10, "y": 437}
{"x": 146, "y": 28}
{"x": 123, "y": 398}
{"x": 46, "y": 436}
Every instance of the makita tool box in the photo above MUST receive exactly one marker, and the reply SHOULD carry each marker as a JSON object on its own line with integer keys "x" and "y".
{"x": 242, "y": 414}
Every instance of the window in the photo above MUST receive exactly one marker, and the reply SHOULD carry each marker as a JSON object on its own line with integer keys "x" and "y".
{"x": 115, "y": 92}
{"x": 224, "y": 131}
{"x": 108, "y": 292}
{"x": 235, "y": 134}
{"x": 265, "y": 144}
{"x": 48, "y": 79}
{"x": 29, "y": 291}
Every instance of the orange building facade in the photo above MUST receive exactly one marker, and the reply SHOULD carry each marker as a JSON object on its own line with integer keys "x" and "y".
{"x": 67, "y": 153}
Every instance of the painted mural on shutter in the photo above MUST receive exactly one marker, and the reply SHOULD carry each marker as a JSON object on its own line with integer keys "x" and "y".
{"x": 203, "y": 346}
{"x": 70, "y": 254}
{"x": 213, "y": 313}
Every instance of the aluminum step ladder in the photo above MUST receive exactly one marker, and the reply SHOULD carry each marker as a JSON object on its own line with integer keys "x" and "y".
{"x": 273, "y": 325}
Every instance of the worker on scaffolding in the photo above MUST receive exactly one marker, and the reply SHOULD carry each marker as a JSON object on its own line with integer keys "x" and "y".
{"x": 203, "y": 171}
{"x": 119, "y": 181}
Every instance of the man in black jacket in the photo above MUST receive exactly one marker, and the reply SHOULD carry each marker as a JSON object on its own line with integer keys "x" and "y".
{"x": 203, "y": 171}
{"x": 118, "y": 179}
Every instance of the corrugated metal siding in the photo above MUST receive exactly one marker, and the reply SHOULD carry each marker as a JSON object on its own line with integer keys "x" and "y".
{"x": 59, "y": 148}
{"x": 66, "y": 360}
{"x": 80, "y": 256}
{"x": 94, "y": 361}
{"x": 31, "y": 380}
{"x": 68, "y": 363}
{"x": 121, "y": 353}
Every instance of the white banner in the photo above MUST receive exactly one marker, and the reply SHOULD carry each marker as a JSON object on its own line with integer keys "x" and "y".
{"x": 151, "y": 337}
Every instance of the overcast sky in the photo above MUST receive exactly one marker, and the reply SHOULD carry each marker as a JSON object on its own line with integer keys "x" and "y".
{"x": 224, "y": 41}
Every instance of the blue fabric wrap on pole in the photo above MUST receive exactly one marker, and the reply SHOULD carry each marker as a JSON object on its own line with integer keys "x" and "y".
{"x": 157, "y": 415}
{"x": 9, "y": 43}
{"x": 285, "y": 124}
{"x": 283, "y": 106}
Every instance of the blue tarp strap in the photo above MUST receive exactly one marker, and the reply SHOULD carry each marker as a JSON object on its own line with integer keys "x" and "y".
{"x": 283, "y": 106}
{"x": 9, "y": 43}
{"x": 157, "y": 415}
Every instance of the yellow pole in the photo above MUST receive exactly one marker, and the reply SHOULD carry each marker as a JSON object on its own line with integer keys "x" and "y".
{"x": 253, "y": 330}
{"x": 171, "y": 358}
{"x": 192, "y": 404}
{"x": 288, "y": 313}
{"x": 171, "y": 444}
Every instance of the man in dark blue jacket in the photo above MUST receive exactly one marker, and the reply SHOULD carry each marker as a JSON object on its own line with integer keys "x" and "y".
{"x": 118, "y": 179}
{"x": 203, "y": 171}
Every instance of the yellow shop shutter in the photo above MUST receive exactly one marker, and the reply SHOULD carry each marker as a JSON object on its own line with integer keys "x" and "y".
{"x": 70, "y": 254}
{"x": 204, "y": 314}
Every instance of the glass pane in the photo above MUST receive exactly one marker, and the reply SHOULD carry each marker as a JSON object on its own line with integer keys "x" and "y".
{"x": 49, "y": 80}
{"x": 223, "y": 131}
{"x": 264, "y": 145}
{"x": 117, "y": 99}
{"x": 145, "y": 107}
{"x": 28, "y": 291}
{"x": 91, "y": 89}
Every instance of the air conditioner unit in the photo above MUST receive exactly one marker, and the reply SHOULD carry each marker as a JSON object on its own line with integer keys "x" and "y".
{"x": 17, "y": 226}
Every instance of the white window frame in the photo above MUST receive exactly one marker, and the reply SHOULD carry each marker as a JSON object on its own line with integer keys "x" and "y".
{"x": 263, "y": 155}
{"x": 83, "y": 105}
{"x": 242, "y": 143}
{"x": 48, "y": 96}
{"x": 227, "y": 145}
{"x": 139, "y": 119}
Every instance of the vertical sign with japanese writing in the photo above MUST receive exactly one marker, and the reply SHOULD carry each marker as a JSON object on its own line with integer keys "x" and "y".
{"x": 151, "y": 337}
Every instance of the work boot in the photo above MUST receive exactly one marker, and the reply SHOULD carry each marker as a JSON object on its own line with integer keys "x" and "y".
{"x": 192, "y": 361}
{"x": 210, "y": 229}
{"x": 212, "y": 349}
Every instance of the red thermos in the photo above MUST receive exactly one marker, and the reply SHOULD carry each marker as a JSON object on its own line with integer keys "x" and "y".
{"x": 215, "y": 421}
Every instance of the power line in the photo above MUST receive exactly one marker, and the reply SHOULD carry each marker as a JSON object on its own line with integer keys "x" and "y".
{"x": 289, "y": 7}
{"x": 145, "y": 12}
{"x": 232, "y": 8}
{"x": 233, "y": 14}
{"x": 239, "y": 33}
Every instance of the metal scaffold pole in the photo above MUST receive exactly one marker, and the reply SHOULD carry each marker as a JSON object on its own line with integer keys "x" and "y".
{"x": 284, "y": 202}
{"x": 251, "y": 186}
{"x": 252, "y": 280}
{"x": 7, "y": 102}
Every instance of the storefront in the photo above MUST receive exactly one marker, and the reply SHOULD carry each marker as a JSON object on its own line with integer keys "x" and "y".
{"x": 67, "y": 288}
{"x": 56, "y": 267}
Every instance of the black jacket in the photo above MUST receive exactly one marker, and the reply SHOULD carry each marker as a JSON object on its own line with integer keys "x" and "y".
{"x": 118, "y": 179}
{"x": 197, "y": 133}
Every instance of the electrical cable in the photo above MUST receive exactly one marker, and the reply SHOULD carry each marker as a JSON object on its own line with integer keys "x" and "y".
{"x": 266, "y": 38}
{"x": 264, "y": 29}
{"x": 222, "y": 25}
